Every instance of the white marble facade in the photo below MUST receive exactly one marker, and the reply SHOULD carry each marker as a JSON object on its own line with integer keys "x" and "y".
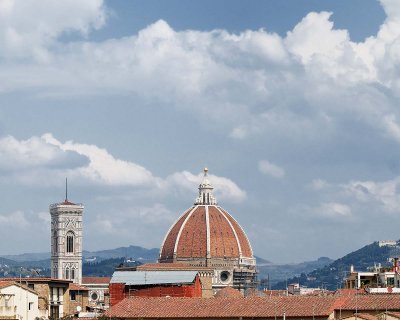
{"x": 66, "y": 241}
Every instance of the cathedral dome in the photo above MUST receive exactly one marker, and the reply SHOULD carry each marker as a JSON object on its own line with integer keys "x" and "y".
{"x": 206, "y": 234}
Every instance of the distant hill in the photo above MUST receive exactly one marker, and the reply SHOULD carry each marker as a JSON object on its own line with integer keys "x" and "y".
{"x": 7, "y": 262}
{"x": 135, "y": 252}
{"x": 262, "y": 262}
{"x": 95, "y": 263}
{"x": 278, "y": 273}
{"x": 28, "y": 256}
{"x": 332, "y": 275}
{"x": 104, "y": 268}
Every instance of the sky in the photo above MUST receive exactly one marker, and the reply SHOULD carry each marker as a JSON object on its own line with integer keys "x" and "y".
{"x": 293, "y": 105}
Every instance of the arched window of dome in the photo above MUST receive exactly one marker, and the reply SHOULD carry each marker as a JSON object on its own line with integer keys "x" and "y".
{"x": 70, "y": 242}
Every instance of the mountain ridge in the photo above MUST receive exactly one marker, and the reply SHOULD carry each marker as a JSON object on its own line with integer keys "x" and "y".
{"x": 331, "y": 276}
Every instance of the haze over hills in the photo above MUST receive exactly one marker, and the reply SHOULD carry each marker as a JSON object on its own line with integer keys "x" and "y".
{"x": 331, "y": 276}
{"x": 135, "y": 252}
{"x": 323, "y": 272}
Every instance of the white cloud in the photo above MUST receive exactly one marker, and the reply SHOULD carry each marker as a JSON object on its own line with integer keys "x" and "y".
{"x": 33, "y": 152}
{"x": 47, "y": 161}
{"x": 14, "y": 220}
{"x": 384, "y": 194}
{"x": 319, "y": 184}
{"x": 225, "y": 189}
{"x": 315, "y": 38}
{"x": 334, "y": 209}
{"x": 255, "y": 82}
{"x": 271, "y": 169}
{"x": 29, "y": 28}
{"x": 103, "y": 168}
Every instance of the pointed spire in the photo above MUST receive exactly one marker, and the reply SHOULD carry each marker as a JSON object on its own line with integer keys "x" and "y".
{"x": 206, "y": 196}
{"x": 66, "y": 189}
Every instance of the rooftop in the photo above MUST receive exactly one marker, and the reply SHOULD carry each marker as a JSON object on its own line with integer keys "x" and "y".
{"x": 153, "y": 277}
{"x": 96, "y": 280}
{"x": 255, "y": 307}
{"x": 134, "y": 307}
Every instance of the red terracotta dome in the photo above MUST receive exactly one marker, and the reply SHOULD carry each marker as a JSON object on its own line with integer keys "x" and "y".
{"x": 206, "y": 233}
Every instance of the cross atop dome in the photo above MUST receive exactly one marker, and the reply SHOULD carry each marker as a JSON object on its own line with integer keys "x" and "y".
{"x": 206, "y": 196}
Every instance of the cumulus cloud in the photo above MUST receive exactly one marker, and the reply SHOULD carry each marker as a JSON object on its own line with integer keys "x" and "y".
{"x": 35, "y": 152}
{"x": 28, "y": 29}
{"x": 14, "y": 220}
{"x": 319, "y": 184}
{"x": 225, "y": 189}
{"x": 46, "y": 160}
{"x": 103, "y": 167}
{"x": 255, "y": 82}
{"x": 271, "y": 169}
{"x": 123, "y": 221}
{"x": 334, "y": 209}
{"x": 383, "y": 194}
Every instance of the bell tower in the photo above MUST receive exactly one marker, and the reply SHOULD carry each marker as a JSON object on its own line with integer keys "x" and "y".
{"x": 66, "y": 240}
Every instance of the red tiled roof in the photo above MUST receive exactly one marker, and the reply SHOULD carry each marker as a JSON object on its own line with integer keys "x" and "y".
{"x": 268, "y": 306}
{"x": 96, "y": 280}
{"x": 5, "y": 284}
{"x": 68, "y": 203}
{"x": 298, "y": 306}
{"x": 274, "y": 292}
{"x": 187, "y": 238}
{"x": 366, "y": 316}
{"x": 228, "y": 292}
{"x": 394, "y": 314}
{"x": 36, "y": 280}
{"x": 370, "y": 302}
{"x": 75, "y": 287}
{"x": 348, "y": 292}
{"x": 171, "y": 266}
{"x": 167, "y": 250}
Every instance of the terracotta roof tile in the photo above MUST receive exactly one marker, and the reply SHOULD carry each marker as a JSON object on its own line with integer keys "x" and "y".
{"x": 366, "y": 316}
{"x": 75, "y": 287}
{"x": 233, "y": 307}
{"x": 24, "y": 280}
{"x": 370, "y": 302}
{"x": 228, "y": 292}
{"x": 96, "y": 280}
{"x": 394, "y": 314}
{"x": 189, "y": 236}
{"x": 171, "y": 266}
{"x": 5, "y": 284}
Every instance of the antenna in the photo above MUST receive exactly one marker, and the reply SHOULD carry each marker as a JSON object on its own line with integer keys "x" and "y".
{"x": 66, "y": 189}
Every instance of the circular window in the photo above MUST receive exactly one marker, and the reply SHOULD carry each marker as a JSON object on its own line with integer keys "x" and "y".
{"x": 224, "y": 276}
{"x": 94, "y": 296}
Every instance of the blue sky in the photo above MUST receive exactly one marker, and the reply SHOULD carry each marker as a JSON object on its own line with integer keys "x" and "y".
{"x": 293, "y": 106}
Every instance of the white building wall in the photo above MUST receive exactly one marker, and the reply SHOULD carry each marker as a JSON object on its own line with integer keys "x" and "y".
{"x": 19, "y": 303}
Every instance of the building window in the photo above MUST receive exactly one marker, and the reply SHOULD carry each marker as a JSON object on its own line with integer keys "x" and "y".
{"x": 67, "y": 274}
{"x": 30, "y": 306}
{"x": 55, "y": 242}
{"x": 70, "y": 242}
{"x": 72, "y": 274}
{"x": 31, "y": 286}
{"x": 72, "y": 295}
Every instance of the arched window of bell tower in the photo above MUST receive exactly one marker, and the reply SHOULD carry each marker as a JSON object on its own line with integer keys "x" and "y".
{"x": 70, "y": 242}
